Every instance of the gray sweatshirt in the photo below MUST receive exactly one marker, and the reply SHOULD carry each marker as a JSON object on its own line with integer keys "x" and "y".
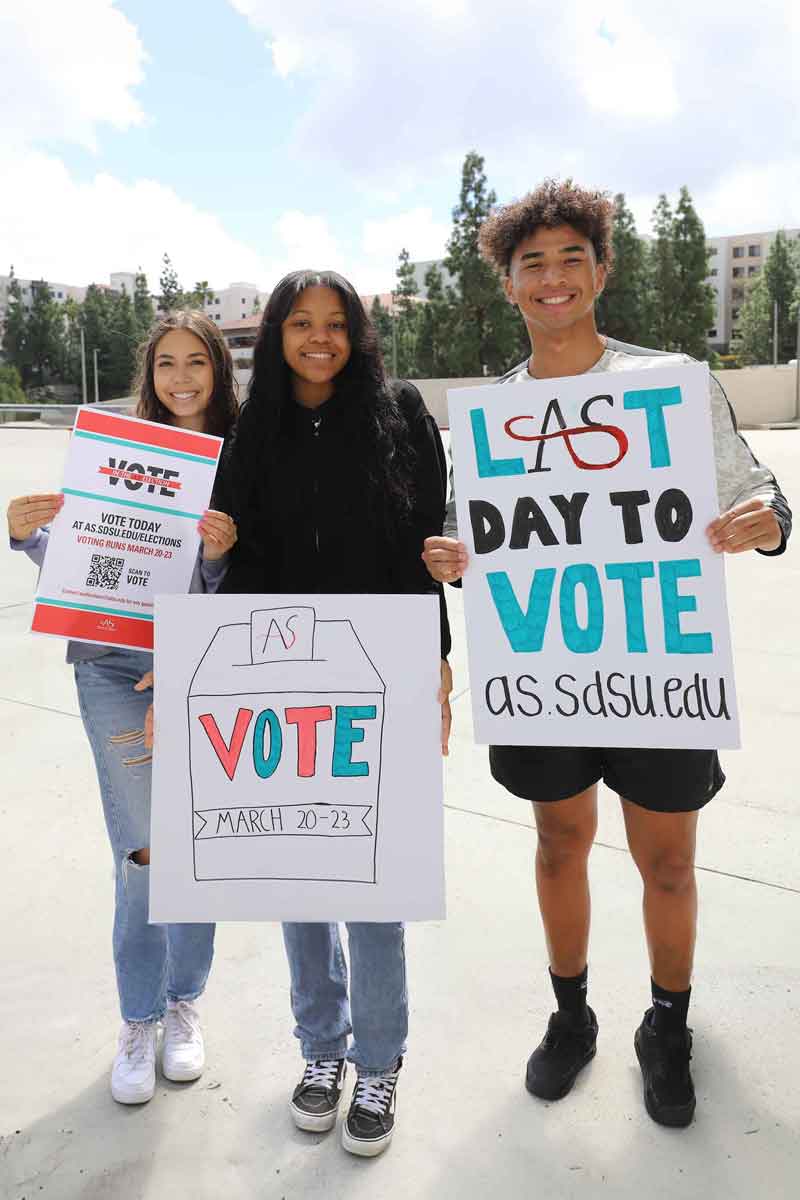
{"x": 206, "y": 578}
{"x": 740, "y": 476}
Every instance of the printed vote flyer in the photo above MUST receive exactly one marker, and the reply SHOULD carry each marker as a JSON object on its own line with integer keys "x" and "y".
{"x": 134, "y": 492}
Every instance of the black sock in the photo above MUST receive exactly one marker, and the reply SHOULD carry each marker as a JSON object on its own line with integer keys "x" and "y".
{"x": 670, "y": 1009}
{"x": 571, "y": 994}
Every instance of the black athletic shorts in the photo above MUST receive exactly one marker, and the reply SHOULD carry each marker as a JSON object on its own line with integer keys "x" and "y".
{"x": 659, "y": 780}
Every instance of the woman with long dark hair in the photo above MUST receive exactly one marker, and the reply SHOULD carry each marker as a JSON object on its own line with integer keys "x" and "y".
{"x": 335, "y": 479}
{"x": 185, "y": 380}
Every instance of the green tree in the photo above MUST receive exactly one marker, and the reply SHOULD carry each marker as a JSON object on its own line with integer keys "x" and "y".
{"x": 198, "y": 296}
{"x": 143, "y": 306}
{"x": 96, "y": 317}
{"x": 753, "y": 343}
{"x": 623, "y": 309}
{"x": 15, "y": 329}
{"x": 382, "y": 320}
{"x": 407, "y": 318}
{"x": 45, "y": 333}
{"x": 70, "y": 368}
{"x": 663, "y": 277}
{"x": 11, "y": 385}
{"x": 435, "y": 335}
{"x": 694, "y": 313}
{"x": 122, "y": 340}
{"x": 172, "y": 296}
{"x": 487, "y": 333}
{"x": 781, "y": 276}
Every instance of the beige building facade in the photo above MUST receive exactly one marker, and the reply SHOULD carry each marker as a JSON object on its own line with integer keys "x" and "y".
{"x": 733, "y": 261}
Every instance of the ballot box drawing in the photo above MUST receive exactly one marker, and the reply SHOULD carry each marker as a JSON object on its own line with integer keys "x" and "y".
{"x": 286, "y": 718}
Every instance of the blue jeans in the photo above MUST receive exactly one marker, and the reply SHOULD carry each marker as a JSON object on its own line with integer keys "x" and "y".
{"x": 378, "y": 995}
{"x": 153, "y": 963}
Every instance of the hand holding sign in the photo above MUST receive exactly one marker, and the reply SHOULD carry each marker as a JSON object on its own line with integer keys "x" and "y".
{"x": 445, "y": 558}
{"x": 218, "y": 533}
{"x": 751, "y": 525}
{"x": 26, "y": 514}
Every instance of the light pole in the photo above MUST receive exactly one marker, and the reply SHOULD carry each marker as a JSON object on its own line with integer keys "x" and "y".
{"x": 96, "y": 387}
{"x": 394, "y": 342}
{"x": 797, "y": 370}
{"x": 83, "y": 366}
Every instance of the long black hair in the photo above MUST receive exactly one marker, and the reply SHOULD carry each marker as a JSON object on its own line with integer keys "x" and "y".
{"x": 377, "y": 425}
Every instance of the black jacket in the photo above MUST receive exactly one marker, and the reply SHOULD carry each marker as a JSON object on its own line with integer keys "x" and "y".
{"x": 318, "y": 528}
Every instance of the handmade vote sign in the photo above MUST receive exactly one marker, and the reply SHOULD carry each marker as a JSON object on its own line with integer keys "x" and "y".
{"x": 297, "y": 769}
{"x": 134, "y": 492}
{"x": 595, "y": 607}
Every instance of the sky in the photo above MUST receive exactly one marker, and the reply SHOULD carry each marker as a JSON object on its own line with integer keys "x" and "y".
{"x": 247, "y": 138}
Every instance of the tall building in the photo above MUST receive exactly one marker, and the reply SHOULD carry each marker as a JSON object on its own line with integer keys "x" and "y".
{"x": 234, "y": 303}
{"x": 61, "y": 292}
{"x": 733, "y": 261}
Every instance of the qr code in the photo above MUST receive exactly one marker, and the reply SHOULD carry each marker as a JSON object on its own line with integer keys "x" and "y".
{"x": 105, "y": 572}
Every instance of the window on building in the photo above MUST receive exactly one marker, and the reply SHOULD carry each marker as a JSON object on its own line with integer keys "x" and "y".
{"x": 734, "y": 314}
{"x": 737, "y": 293}
{"x": 713, "y": 271}
{"x": 753, "y": 270}
{"x": 754, "y": 251}
{"x": 712, "y": 333}
{"x": 712, "y": 250}
{"x": 738, "y": 272}
{"x": 738, "y": 251}
{"x": 60, "y": 295}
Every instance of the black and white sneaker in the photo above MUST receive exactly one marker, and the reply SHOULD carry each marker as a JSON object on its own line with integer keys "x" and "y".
{"x": 370, "y": 1121}
{"x": 667, "y": 1081}
{"x": 563, "y": 1052}
{"x": 315, "y": 1100}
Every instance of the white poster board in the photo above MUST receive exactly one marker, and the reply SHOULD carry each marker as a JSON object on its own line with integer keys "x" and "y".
{"x": 134, "y": 492}
{"x": 297, "y": 772}
{"x": 595, "y": 607}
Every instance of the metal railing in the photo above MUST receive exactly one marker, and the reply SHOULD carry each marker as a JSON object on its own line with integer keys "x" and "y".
{"x": 66, "y": 412}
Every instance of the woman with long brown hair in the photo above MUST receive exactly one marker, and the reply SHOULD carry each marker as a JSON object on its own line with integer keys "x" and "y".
{"x": 186, "y": 380}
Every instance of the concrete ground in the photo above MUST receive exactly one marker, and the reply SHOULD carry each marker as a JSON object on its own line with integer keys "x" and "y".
{"x": 480, "y": 996}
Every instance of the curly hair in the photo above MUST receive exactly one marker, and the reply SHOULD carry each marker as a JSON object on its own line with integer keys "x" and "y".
{"x": 550, "y": 204}
{"x": 223, "y": 408}
{"x": 376, "y": 422}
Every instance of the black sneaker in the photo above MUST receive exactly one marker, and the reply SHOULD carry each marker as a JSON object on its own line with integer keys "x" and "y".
{"x": 563, "y": 1051}
{"x": 370, "y": 1121}
{"x": 664, "y": 1059}
{"x": 315, "y": 1100}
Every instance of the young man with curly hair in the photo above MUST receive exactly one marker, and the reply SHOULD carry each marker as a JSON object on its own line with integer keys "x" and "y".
{"x": 554, "y": 248}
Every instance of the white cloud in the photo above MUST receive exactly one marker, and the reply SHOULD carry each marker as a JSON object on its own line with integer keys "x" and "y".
{"x": 105, "y": 225}
{"x": 307, "y": 241}
{"x": 79, "y": 232}
{"x": 416, "y": 230}
{"x": 67, "y": 68}
{"x": 628, "y": 95}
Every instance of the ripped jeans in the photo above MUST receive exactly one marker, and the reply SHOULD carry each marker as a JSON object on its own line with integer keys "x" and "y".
{"x": 153, "y": 963}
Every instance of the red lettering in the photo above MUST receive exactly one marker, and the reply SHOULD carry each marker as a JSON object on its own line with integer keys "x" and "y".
{"x": 306, "y": 720}
{"x": 228, "y": 755}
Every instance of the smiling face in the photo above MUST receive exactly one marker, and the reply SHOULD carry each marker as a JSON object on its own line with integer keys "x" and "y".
{"x": 316, "y": 343}
{"x": 183, "y": 377}
{"x": 554, "y": 279}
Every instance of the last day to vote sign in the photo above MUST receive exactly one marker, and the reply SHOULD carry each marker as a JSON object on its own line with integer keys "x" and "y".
{"x": 595, "y": 606}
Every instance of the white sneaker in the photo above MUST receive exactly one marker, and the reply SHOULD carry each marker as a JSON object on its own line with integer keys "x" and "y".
{"x": 183, "y": 1053}
{"x": 133, "y": 1075}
